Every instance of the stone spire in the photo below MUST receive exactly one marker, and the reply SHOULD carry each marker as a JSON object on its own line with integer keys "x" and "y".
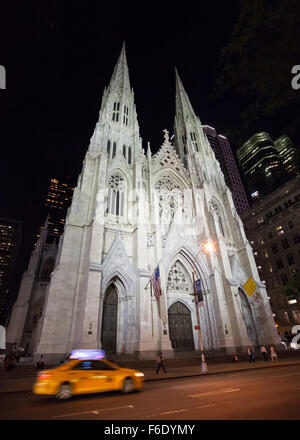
{"x": 184, "y": 107}
{"x": 119, "y": 85}
{"x": 188, "y": 131}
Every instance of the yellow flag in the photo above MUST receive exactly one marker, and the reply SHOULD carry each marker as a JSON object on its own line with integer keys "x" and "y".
{"x": 249, "y": 286}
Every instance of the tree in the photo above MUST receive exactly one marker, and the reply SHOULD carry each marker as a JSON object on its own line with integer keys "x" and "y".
{"x": 255, "y": 65}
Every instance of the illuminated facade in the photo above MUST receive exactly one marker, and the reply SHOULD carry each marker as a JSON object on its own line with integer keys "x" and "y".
{"x": 272, "y": 225}
{"x": 132, "y": 211}
{"x": 261, "y": 164}
{"x": 10, "y": 238}
{"x": 222, "y": 150}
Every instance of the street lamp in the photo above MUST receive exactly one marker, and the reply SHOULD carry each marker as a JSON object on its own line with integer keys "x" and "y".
{"x": 207, "y": 247}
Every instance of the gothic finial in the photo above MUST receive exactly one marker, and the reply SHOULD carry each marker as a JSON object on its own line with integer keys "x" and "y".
{"x": 166, "y": 135}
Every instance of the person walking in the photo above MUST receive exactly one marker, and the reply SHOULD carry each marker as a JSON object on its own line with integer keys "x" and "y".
{"x": 40, "y": 363}
{"x": 160, "y": 363}
{"x": 251, "y": 355}
{"x": 273, "y": 354}
{"x": 264, "y": 352}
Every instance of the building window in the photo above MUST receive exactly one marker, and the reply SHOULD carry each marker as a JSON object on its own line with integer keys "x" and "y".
{"x": 108, "y": 148}
{"x": 285, "y": 243}
{"x": 296, "y": 239}
{"x": 284, "y": 279}
{"x": 115, "y": 199}
{"x": 270, "y": 235}
{"x": 274, "y": 248}
{"x": 279, "y": 263}
{"x": 194, "y": 141}
{"x": 125, "y": 116}
{"x": 129, "y": 155}
{"x": 286, "y": 317}
{"x": 290, "y": 259}
{"x": 114, "y": 150}
{"x": 290, "y": 224}
{"x": 124, "y": 151}
{"x": 116, "y": 109}
{"x": 296, "y": 315}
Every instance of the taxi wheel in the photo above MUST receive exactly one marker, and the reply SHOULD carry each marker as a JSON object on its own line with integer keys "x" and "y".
{"x": 128, "y": 386}
{"x": 64, "y": 392}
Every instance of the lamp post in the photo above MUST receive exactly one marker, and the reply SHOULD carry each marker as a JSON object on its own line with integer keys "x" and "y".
{"x": 208, "y": 247}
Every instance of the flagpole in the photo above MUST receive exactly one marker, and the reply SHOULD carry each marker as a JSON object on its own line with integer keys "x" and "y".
{"x": 203, "y": 362}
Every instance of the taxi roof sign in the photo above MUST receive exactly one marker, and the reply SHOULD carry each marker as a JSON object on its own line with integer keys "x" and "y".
{"x": 87, "y": 354}
{"x": 249, "y": 286}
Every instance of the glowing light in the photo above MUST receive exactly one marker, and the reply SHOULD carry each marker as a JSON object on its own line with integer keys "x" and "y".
{"x": 208, "y": 247}
{"x": 87, "y": 354}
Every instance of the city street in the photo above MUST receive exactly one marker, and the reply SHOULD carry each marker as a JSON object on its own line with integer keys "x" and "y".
{"x": 266, "y": 394}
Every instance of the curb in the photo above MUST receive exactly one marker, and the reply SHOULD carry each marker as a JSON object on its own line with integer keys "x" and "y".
{"x": 183, "y": 376}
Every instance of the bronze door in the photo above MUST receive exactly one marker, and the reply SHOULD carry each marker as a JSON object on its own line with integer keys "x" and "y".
{"x": 109, "y": 321}
{"x": 180, "y": 327}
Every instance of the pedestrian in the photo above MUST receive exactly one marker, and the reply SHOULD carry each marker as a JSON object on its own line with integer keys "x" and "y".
{"x": 251, "y": 355}
{"x": 160, "y": 363}
{"x": 40, "y": 363}
{"x": 273, "y": 354}
{"x": 264, "y": 352}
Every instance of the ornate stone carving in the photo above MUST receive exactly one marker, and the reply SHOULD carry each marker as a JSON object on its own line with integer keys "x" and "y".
{"x": 178, "y": 279}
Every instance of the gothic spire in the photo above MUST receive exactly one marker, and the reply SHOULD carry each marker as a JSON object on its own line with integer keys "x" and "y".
{"x": 119, "y": 85}
{"x": 184, "y": 107}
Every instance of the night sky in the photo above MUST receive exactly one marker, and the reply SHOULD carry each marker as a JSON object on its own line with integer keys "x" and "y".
{"x": 60, "y": 55}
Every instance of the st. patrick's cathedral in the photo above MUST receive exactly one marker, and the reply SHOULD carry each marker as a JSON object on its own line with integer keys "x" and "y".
{"x": 131, "y": 213}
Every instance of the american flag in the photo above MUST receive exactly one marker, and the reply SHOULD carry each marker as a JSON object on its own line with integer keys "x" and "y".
{"x": 156, "y": 283}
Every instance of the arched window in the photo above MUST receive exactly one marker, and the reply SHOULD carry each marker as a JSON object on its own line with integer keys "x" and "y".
{"x": 116, "y": 194}
{"x": 116, "y": 109}
{"x": 125, "y": 116}
{"x": 108, "y": 148}
{"x": 194, "y": 141}
{"x": 114, "y": 150}
{"x": 124, "y": 151}
{"x": 129, "y": 155}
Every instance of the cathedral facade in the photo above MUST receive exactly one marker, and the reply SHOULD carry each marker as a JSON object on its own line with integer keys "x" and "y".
{"x": 132, "y": 212}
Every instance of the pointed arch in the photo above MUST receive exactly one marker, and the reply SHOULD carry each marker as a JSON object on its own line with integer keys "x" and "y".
{"x": 178, "y": 279}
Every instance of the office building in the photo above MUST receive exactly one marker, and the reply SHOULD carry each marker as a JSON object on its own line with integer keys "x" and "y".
{"x": 272, "y": 226}
{"x": 261, "y": 164}
{"x": 224, "y": 155}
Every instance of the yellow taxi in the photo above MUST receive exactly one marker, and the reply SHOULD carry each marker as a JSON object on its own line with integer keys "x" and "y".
{"x": 87, "y": 371}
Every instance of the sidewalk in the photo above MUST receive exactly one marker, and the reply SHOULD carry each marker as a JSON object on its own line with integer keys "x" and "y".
{"x": 11, "y": 384}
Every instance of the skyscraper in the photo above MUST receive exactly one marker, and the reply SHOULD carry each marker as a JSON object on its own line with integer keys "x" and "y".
{"x": 287, "y": 152}
{"x": 223, "y": 152}
{"x": 10, "y": 239}
{"x": 132, "y": 212}
{"x": 56, "y": 204}
{"x": 262, "y": 165}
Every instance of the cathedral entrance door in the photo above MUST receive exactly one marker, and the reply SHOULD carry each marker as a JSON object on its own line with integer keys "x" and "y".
{"x": 180, "y": 327}
{"x": 109, "y": 321}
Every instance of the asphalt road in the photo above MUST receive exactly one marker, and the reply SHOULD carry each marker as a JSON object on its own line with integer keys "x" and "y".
{"x": 249, "y": 395}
